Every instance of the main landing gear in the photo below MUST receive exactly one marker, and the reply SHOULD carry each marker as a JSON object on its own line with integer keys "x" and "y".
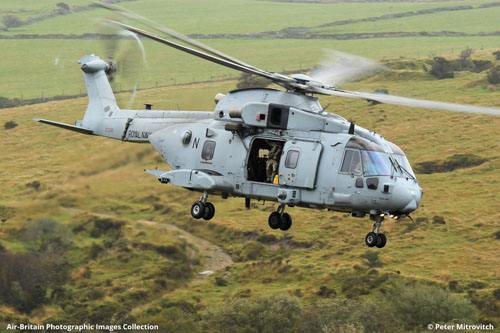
{"x": 375, "y": 238}
{"x": 202, "y": 208}
{"x": 280, "y": 219}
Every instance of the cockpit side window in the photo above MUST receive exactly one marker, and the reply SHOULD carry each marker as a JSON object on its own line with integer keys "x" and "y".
{"x": 352, "y": 162}
{"x": 376, "y": 164}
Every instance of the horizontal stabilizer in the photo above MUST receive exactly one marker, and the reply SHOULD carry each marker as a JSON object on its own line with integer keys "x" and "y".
{"x": 65, "y": 126}
{"x": 156, "y": 173}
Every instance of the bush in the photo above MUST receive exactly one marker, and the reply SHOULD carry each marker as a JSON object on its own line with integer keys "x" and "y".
{"x": 497, "y": 55}
{"x": 47, "y": 237}
{"x": 11, "y": 21}
{"x": 34, "y": 184}
{"x": 417, "y": 305}
{"x": 442, "y": 68}
{"x": 107, "y": 226}
{"x": 493, "y": 75}
{"x": 438, "y": 220}
{"x": 324, "y": 291}
{"x": 63, "y": 6}
{"x": 253, "y": 250}
{"x": 10, "y": 124}
{"x": 220, "y": 282}
{"x": 276, "y": 313}
{"x": 481, "y": 65}
{"x": 252, "y": 81}
{"x": 457, "y": 161}
{"x": 348, "y": 315}
{"x": 463, "y": 63}
{"x": 372, "y": 259}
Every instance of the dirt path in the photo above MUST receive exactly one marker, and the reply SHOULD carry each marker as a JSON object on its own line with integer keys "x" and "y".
{"x": 215, "y": 257}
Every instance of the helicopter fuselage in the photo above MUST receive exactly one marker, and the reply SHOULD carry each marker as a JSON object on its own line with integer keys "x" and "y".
{"x": 228, "y": 154}
{"x": 262, "y": 144}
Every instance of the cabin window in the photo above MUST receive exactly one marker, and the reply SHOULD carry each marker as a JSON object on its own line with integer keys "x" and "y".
{"x": 292, "y": 157}
{"x": 352, "y": 162}
{"x": 208, "y": 150}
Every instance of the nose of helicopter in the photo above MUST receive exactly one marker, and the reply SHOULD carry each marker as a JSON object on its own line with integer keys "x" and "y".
{"x": 408, "y": 197}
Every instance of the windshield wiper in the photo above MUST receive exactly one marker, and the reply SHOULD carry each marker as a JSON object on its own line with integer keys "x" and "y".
{"x": 403, "y": 170}
{"x": 393, "y": 166}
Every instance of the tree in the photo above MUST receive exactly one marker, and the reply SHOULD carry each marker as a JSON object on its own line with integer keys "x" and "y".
{"x": 47, "y": 237}
{"x": 252, "y": 81}
{"x": 24, "y": 279}
{"x": 11, "y": 21}
{"x": 442, "y": 68}
{"x": 63, "y": 6}
{"x": 493, "y": 75}
{"x": 418, "y": 305}
{"x": 464, "y": 62}
{"x": 497, "y": 55}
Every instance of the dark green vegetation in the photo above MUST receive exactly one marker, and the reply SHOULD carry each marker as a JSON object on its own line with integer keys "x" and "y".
{"x": 73, "y": 243}
{"x": 457, "y": 161}
{"x": 442, "y": 68}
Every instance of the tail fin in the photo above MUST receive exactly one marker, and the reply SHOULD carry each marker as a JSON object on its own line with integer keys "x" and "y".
{"x": 101, "y": 97}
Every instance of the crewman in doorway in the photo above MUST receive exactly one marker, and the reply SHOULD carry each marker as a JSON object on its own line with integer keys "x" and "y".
{"x": 272, "y": 162}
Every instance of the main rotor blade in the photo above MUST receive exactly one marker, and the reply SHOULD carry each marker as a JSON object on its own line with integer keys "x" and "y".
{"x": 172, "y": 33}
{"x": 279, "y": 79}
{"x": 404, "y": 101}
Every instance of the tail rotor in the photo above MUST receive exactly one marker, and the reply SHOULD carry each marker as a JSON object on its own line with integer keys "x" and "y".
{"x": 126, "y": 58}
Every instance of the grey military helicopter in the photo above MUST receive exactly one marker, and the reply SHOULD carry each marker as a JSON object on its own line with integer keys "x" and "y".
{"x": 264, "y": 144}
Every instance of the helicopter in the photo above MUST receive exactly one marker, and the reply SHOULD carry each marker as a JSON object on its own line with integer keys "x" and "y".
{"x": 263, "y": 144}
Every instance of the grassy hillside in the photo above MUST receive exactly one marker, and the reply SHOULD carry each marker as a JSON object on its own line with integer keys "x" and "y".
{"x": 110, "y": 228}
{"x": 323, "y": 255}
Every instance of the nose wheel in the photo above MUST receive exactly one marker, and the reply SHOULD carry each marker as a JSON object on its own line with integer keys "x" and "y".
{"x": 203, "y": 209}
{"x": 280, "y": 219}
{"x": 375, "y": 238}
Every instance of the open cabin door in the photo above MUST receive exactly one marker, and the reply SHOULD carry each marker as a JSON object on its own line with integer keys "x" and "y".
{"x": 299, "y": 163}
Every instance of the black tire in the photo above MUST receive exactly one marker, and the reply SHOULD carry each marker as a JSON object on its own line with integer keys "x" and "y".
{"x": 209, "y": 211}
{"x": 198, "y": 209}
{"x": 286, "y": 222}
{"x": 274, "y": 220}
{"x": 381, "y": 241}
{"x": 371, "y": 239}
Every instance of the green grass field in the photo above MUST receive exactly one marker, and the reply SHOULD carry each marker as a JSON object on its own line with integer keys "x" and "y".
{"x": 81, "y": 175}
{"x": 54, "y": 60}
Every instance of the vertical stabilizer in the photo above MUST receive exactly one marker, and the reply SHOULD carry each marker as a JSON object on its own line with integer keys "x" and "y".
{"x": 101, "y": 98}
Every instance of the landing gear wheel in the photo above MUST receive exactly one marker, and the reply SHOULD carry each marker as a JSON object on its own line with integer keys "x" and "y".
{"x": 381, "y": 241}
{"x": 198, "y": 209}
{"x": 286, "y": 221}
{"x": 274, "y": 220}
{"x": 371, "y": 239}
{"x": 209, "y": 211}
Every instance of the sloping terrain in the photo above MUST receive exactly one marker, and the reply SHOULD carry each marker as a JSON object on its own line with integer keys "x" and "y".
{"x": 454, "y": 243}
